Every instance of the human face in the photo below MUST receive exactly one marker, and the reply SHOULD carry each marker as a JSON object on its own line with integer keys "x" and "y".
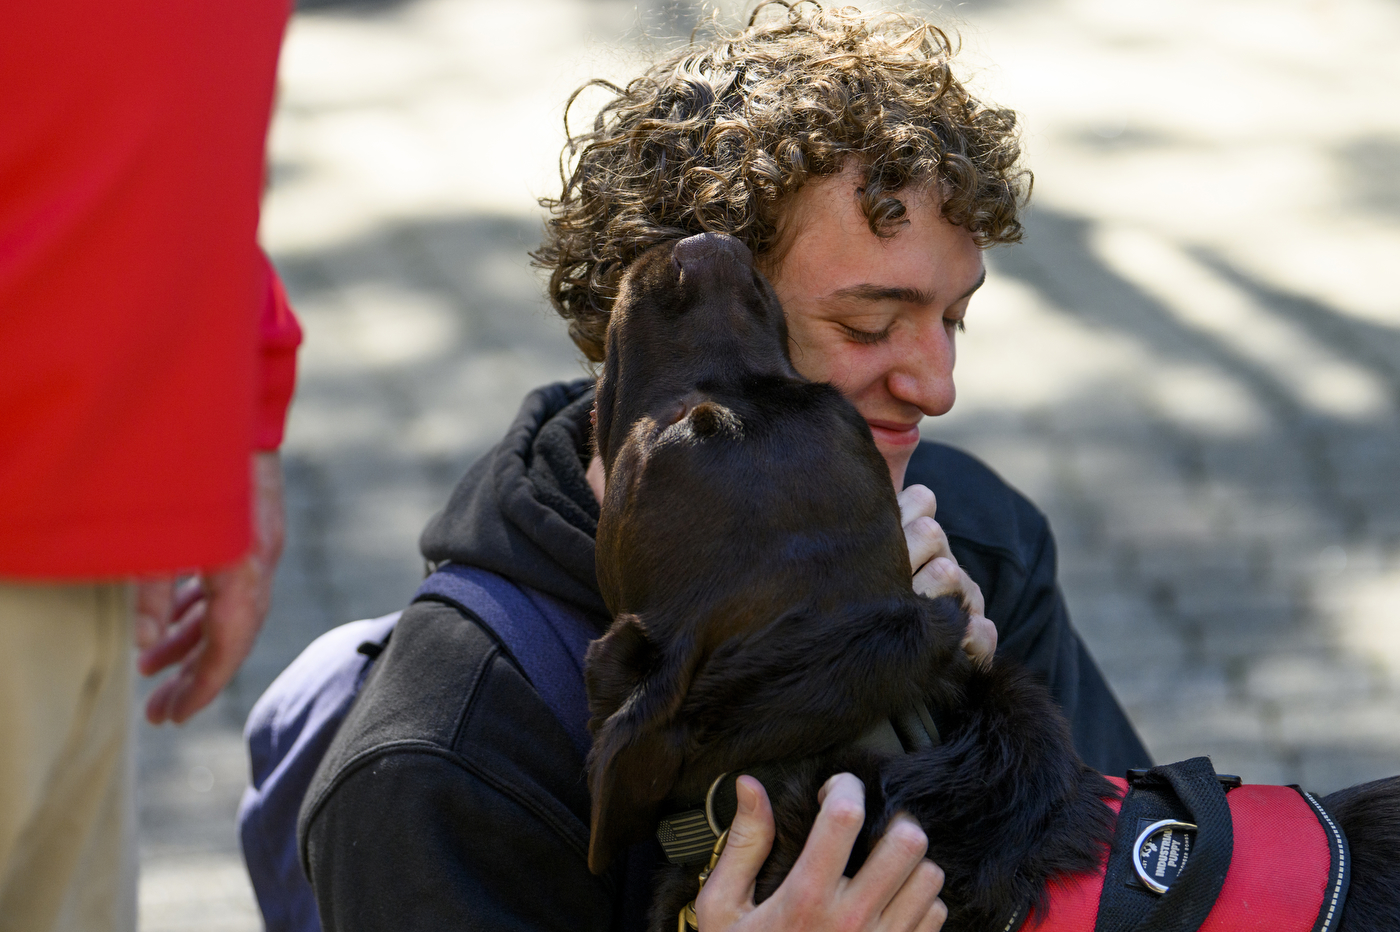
{"x": 876, "y": 317}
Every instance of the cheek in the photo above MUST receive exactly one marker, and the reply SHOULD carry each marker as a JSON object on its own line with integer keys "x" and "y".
{"x": 838, "y": 362}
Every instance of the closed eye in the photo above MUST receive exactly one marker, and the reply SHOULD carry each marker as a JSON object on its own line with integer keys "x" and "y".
{"x": 866, "y": 336}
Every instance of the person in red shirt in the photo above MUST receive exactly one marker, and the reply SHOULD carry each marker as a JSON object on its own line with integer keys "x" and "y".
{"x": 148, "y": 358}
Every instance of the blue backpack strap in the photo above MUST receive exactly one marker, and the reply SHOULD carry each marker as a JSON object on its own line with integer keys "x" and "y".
{"x": 288, "y": 732}
{"x": 546, "y": 637}
{"x": 293, "y": 723}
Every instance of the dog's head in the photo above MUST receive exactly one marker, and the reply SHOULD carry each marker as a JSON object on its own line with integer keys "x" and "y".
{"x": 690, "y": 314}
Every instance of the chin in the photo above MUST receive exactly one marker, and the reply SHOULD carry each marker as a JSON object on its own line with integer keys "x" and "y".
{"x": 898, "y": 464}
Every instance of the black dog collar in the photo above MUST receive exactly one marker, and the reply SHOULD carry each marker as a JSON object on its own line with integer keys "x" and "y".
{"x": 688, "y": 837}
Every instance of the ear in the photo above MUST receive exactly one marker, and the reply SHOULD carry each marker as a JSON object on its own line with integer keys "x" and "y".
{"x": 632, "y": 771}
{"x": 710, "y": 419}
{"x": 614, "y": 666}
{"x": 638, "y": 749}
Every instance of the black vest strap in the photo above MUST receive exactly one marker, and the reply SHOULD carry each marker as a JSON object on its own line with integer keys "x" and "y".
{"x": 1188, "y": 791}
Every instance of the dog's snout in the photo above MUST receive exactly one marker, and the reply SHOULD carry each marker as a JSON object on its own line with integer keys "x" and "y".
{"x": 708, "y": 250}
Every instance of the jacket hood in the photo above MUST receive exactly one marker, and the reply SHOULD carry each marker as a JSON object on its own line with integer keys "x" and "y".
{"x": 524, "y": 510}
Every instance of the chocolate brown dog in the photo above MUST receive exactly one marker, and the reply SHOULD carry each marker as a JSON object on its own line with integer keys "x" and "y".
{"x": 750, "y": 549}
{"x": 751, "y": 552}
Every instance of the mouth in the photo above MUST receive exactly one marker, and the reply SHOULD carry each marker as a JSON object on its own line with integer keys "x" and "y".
{"x": 893, "y": 433}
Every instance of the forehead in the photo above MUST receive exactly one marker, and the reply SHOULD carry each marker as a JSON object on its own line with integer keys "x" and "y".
{"x": 827, "y": 242}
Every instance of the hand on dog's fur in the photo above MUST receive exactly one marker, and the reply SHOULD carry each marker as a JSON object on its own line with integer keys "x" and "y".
{"x": 936, "y": 571}
{"x": 896, "y": 888}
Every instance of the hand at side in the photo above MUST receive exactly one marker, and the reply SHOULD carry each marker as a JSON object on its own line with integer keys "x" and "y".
{"x": 208, "y": 622}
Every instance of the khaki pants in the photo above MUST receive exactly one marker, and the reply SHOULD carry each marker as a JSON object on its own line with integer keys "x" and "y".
{"x": 67, "y": 813}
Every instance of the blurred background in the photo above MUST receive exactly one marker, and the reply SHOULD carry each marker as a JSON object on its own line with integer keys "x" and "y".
{"x": 1192, "y": 364}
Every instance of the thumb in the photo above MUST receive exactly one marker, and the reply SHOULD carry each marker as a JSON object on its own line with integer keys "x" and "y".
{"x": 728, "y": 893}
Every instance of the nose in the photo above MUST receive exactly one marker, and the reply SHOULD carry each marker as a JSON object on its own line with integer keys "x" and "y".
{"x": 921, "y": 373}
{"x": 710, "y": 252}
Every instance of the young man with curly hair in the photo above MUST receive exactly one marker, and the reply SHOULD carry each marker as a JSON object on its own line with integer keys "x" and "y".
{"x": 867, "y": 180}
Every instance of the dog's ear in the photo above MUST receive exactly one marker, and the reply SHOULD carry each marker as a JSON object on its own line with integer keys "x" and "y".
{"x": 711, "y": 419}
{"x": 637, "y": 748}
{"x": 614, "y": 666}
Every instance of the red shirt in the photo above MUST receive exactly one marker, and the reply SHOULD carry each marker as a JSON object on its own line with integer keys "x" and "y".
{"x": 146, "y": 347}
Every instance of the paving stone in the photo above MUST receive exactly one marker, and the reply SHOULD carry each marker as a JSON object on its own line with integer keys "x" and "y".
{"x": 1244, "y": 634}
{"x": 1197, "y": 723}
{"x": 1298, "y": 679}
{"x": 1326, "y": 770}
{"x": 209, "y": 892}
{"x": 1120, "y": 630}
{"x": 1158, "y": 512}
{"x": 1251, "y": 761}
{"x": 1363, "y": 722}
{"x": 1185, "y": 694}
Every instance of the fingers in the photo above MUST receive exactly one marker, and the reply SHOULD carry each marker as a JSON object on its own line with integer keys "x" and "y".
{"x": 811, "y": 897}
{"x": 980, "y": 641}
{"x": 187, "y": 592}
{"x": 839, "y": 821}
{"x": 893, "y": 864}
{"x": 154, "y": 598}
{"x": 935, "y": 919}
{"x": 943, "y": 576}
{"x": 936, "y": 570}
{"x": 923, "y": 535}
{"x": 236, "y": 605}
{"x": 916, "y": 906}
{"x": 184, "y": 606}
{"x": 914, "y": 501}
{"x": 728, "y": 894}
{"x": 161, "y": 703}
{"x": 896, "y": 889}
{"x": 178, "y": 641}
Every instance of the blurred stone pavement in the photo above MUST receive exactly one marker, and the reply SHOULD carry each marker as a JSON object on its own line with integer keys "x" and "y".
{"x": 1192, "y": 364}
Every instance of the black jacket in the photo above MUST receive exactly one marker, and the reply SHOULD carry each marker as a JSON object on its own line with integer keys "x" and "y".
{"x": 453, "y": 799}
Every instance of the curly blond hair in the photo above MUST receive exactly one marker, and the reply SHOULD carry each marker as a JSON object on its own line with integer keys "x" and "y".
{"x": 716, "y": 137}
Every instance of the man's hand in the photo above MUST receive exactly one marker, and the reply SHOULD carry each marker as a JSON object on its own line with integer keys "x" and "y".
{"x": 896, "y": 890}
{"x": 936, "y": 572}
{"x": 208, "y": 622}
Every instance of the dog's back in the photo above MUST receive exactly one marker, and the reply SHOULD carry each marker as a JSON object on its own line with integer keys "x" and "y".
{"x": 1369, "y": 815}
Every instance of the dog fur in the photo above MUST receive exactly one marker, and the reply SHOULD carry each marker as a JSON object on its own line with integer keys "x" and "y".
{"x": 750, "y": 549}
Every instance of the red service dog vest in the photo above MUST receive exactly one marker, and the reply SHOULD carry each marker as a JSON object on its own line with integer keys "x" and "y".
{"x": 1288, "y": 872}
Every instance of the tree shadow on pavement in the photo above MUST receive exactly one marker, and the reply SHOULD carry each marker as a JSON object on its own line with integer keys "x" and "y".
{"x": 1198, "y": 563}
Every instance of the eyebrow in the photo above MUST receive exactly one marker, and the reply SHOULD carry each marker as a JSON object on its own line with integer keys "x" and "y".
{"x": 905, "y": 295}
